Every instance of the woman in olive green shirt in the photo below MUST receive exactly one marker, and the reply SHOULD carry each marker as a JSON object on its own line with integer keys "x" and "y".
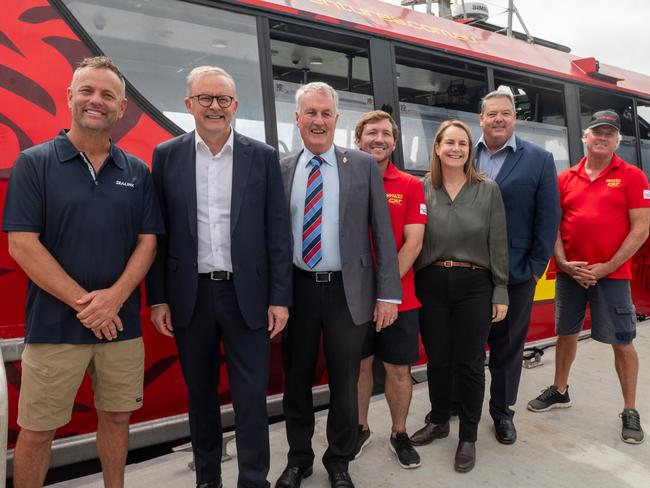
{"x": 461, "y": 278}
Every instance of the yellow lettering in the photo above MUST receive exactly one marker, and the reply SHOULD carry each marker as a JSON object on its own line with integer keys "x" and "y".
{"x": 391, "y": 19}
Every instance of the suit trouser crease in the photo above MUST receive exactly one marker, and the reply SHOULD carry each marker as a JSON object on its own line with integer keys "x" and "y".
{"x": 506, "y": 340}
{"x": 454, "y": 323}
{"x": 320, "y": 310}
{"x": 217, "y": 319}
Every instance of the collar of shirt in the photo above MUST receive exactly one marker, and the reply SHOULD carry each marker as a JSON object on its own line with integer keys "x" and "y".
{"x": 392, "y": 173}
{"x": 511, "y": 143}
{"x": 200, "y": 145}
{"x": 66, "y": 151}
{"x": 579, "y": 168}
{"x": 328, "y": 156}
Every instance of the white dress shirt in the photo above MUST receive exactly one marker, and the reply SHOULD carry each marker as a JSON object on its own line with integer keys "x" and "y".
{"x": 213, "y": 197}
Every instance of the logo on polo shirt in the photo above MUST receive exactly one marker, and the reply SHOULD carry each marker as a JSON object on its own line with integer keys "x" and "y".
{"x": 646, "y": 194}
{"x": 124, "y": 183}
{"x": 395, "y": 198}
{"x": 613, "y": 182}
{"x": 423, "y": 209}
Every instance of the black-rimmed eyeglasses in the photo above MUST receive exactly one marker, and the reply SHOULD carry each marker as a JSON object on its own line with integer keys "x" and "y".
{"x": 224, "y": 101}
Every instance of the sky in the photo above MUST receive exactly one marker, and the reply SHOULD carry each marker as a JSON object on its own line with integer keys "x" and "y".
{"x": 615, "y": 32}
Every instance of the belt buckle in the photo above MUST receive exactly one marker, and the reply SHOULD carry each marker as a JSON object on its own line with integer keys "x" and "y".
{"x": 215, "y": 277}
{"x": 323, "y": 276}
{"x": 448, "y": 263}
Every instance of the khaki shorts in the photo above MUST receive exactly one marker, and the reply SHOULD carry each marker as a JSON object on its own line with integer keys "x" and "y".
{"x": 52, "y": 374}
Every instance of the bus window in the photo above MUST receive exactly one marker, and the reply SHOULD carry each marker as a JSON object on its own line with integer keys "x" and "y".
{"x": 643, "y": 113}
{"x": 157, "y": 43}
{"x": 540, "y": 113}
{"x": 593, "y": 100}
{"x": 338, "y": 60}
{"x": 432, "y": 89}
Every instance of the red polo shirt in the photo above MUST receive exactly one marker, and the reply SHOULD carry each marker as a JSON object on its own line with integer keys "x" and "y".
{"x": 595, "y": 214}
{"x": 406, "y": 204}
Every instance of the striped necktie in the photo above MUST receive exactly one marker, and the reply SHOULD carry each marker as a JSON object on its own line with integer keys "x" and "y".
{"x": 311, "y": 226}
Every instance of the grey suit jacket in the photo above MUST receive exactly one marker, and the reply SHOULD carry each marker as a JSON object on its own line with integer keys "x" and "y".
{"x": 362, "y": 205}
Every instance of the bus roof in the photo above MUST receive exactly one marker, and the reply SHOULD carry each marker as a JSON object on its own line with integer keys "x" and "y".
{"x": 388, "y": 20}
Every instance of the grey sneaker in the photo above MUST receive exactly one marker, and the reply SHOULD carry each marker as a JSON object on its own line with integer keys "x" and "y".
{"x": 407, "y": 457}
{"x": 549, "y": 399}
{"x": 632, "y": 433}
{"x": 363, "y": 439}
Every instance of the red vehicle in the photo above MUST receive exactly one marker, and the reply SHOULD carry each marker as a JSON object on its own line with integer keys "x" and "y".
{"x": 422, "y": 69}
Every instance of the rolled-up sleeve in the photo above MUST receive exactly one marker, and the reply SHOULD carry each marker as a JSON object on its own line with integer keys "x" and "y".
{"x": 498, "y": 246}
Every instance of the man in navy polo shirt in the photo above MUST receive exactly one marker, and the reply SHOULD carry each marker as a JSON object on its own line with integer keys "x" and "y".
{"x": 82, "y": 219}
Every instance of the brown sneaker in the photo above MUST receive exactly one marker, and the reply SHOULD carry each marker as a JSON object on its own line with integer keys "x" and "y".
{"x": 429, "y": 432}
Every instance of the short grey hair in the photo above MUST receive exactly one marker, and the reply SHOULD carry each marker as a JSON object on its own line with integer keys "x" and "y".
{"x": 590, "y": 131}
{"x": 498, "y": 94}
{"x": 319, "y": 87}
{"x": 209, "y": 70}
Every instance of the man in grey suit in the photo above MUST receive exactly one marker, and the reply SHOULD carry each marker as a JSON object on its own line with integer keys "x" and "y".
{"x": 339, "y": 215}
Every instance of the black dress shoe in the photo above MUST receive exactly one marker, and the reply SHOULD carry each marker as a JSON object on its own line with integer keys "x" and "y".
{"x": 429, "y": 432}
{"x": 292, "y": 476}
{"x": 465, "y": 456}
{"x": 505, "y": 432}
{"x": 210, "y": 484}
{"x": 341, "y": 480}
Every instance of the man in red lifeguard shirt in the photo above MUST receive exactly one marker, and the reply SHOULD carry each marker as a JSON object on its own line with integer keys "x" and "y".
{"x": 605, "y": 205}
{"x": 397, "y": 346}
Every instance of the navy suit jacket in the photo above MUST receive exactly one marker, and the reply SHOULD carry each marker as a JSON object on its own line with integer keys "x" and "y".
{"x": 259, "y": 225}
{"x": 528, "y": 183}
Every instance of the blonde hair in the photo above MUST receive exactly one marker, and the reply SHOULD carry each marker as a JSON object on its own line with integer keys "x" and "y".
{"x": 469, "y": 167}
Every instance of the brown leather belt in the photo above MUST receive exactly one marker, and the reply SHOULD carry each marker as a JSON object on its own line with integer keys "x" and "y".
{"x": 456, "y": 264}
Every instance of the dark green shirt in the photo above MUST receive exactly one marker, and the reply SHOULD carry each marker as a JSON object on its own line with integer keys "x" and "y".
{"x": 471, "y": 228}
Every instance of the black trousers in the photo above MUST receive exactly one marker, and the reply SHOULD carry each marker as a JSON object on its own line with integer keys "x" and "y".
{"x": 217, "y": 319}
{"x": 321, "y": 309}
{"x": 454, "y": 323}
{"x": 506, "y": 340}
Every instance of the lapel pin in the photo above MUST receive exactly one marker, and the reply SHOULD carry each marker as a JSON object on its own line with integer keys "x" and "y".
{"x": 345, "y": 159}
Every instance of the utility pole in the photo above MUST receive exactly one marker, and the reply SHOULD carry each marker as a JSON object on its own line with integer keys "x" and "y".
{"x": 444, "y": 8}
{"x": 512, "y": 9}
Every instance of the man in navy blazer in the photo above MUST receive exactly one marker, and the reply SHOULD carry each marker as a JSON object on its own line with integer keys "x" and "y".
{"x": 223, "y": 272}
{"x": 527, "y": 178}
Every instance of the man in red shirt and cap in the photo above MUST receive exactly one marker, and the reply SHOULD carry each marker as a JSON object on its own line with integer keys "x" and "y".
{"x": 605, "y": 218}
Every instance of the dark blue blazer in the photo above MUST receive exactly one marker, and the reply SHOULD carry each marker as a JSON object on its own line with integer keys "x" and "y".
{"x": 259, "y": 225}
{"x": 528, "y": 183}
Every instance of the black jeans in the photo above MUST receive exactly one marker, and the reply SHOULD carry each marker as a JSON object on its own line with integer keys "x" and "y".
{"x": 454, "y": 323}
